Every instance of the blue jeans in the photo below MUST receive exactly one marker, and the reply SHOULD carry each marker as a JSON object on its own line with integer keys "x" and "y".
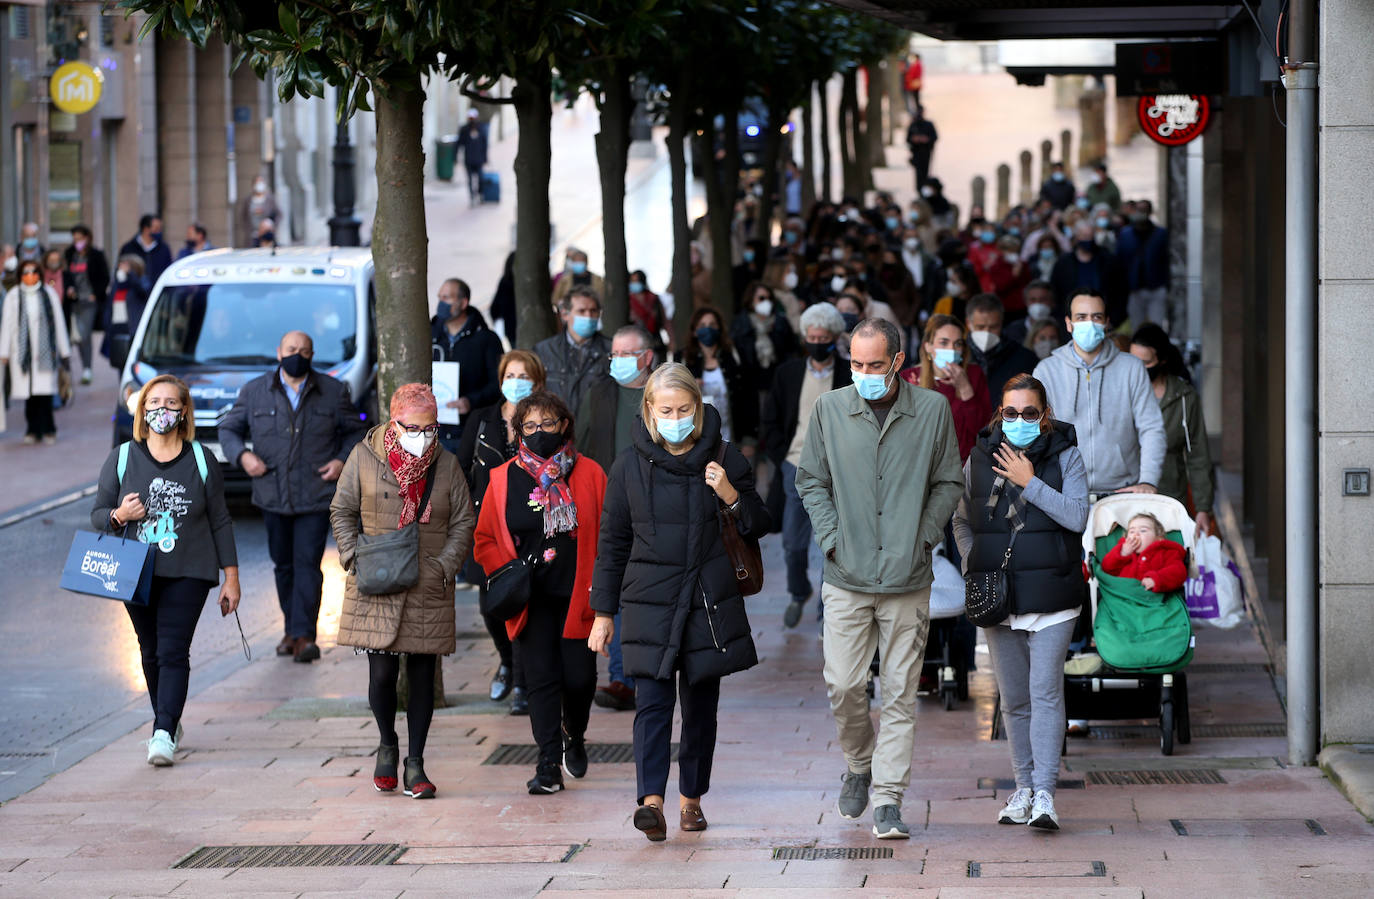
{"x": 616, "y": 668}
{"x": 796, "y": 536}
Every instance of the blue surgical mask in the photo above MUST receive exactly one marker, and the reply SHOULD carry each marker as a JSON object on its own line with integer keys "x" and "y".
{"x": 636, "y": 287}
{"x": 873, "y": 387}
{"x": 585, "y": 326}
{"x": 516, "y": 389}
{"x": 675, "y": 430}
{"x": 1088, "y": 335}
{"x": 624, "y": 369}
{"x": 577, "y": 268}
{"x": 1020, "y": 432}
{"x": 945, "y": 357}
{"x": 892, "y": 223}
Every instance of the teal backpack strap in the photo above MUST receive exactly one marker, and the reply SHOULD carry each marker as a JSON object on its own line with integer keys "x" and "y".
{"x": 123, "y": 464}
{"x": 199, "y": 452}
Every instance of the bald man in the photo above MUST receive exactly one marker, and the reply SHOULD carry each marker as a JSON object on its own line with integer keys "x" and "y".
{"x": 302, "y": 425}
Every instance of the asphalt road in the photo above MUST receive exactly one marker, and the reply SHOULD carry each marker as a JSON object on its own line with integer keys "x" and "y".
{"x": 70, "y": 676}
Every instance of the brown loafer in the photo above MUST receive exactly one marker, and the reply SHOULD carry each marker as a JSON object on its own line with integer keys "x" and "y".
{"x": 649, "y": 818}
{"x": 692, "y": 819}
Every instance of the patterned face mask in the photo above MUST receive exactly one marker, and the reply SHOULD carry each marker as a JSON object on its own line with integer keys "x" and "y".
{"x": 162, "y": 421}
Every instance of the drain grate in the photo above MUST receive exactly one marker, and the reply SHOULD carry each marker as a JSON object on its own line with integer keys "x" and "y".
{"x": 814, "y": 853}
{"x": 1006, "y": 783}
{"x": 291, "y": 856}
{"x": 597, "y": 754}
{"x": 1154, "y": 777}
{"x": 1229, "y": 668}
{"x": 1204, "y": 731}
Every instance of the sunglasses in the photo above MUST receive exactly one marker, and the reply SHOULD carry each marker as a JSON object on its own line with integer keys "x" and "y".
{"x": 1030, "y": 413}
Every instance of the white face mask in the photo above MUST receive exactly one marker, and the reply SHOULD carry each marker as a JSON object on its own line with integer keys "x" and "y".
{"x": 984, "y": 340}
{"x": 789, "y": 280}
{"x": 415, "y": 444}
{"x": 763, "y": 308}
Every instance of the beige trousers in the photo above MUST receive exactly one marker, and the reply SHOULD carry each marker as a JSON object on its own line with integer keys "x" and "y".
{"x": 896, "y": 624}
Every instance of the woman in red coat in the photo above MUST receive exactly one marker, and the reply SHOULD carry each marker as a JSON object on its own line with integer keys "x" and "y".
{"x": 546, "y": 503}
{"x": 942, "y": 368}
{"x": 1146, "y": 555}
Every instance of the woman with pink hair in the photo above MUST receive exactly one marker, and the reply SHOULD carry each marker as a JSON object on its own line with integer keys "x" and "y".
{"x": 398, "y": 477}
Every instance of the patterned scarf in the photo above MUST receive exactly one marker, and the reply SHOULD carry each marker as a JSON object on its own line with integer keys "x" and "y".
{"x": 47, "y": 338}
{"x": 410, "y": 475}
{"x": 551, "y": 489}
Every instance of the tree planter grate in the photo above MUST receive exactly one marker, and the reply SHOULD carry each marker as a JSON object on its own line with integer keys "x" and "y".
{"x": 597, "y": 754}
{"x": 1150, "y": 777}
{"x": 815, "y": 853}
{"x": 292, "y": 856}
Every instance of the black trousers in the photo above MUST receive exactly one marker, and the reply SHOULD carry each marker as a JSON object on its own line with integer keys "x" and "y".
{"x": 654, "y": 735}
{"x": 560, "y": 676}
{"x": 165, "y": 627}
{"x": 38, "y": 414}
{"x": 296, "y": 545}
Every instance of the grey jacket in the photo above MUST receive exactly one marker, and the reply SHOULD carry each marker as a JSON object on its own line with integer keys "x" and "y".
{"x": 1112, "y": 407}
{"x": 879, "y": 498}
{"x": 292, "y": 443}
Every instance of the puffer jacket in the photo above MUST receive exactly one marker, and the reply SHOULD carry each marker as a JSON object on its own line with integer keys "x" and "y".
{"x": 420, "y": 620}
{"x": 662, "y": 564}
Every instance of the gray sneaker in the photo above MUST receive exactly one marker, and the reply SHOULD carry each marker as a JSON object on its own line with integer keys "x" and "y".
{"x": 854, "y": 794}
{"x": 887, "y": 823}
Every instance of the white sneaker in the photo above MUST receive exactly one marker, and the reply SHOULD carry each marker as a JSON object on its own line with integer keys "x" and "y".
{"x": 161, "y": 749}
{"x": 1018, "y": 808}
{"x": 1042, "y": 812}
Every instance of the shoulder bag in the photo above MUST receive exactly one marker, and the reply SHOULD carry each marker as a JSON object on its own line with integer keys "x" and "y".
{"x": 390, "y": 562}
{"x": 743, "y": 552}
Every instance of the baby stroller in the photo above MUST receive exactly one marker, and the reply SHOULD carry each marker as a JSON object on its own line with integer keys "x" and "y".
{"x": 1144, "y": 640}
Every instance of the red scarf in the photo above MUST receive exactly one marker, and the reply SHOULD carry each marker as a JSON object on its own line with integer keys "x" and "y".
{"x": 410, "y": 475}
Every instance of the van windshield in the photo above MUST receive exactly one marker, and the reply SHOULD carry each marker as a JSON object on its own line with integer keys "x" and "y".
{"x": 242, "y": 324}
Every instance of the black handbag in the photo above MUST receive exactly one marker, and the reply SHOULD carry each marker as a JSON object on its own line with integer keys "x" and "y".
{"x": 987, "y": 594}
{"x": 508, "y": 589}
{"x": 390, "y": 562}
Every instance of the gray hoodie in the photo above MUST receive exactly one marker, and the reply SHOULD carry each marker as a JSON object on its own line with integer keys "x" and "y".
{"x": 1111, "y": 406}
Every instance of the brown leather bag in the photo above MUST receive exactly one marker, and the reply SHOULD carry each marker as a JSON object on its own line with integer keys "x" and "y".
{"x": 743, "y": 552}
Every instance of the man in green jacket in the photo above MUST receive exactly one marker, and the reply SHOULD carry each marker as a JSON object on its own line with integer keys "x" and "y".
{"x": 880, "y": 477}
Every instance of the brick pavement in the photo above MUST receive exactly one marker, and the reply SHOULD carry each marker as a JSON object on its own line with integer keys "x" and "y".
{"x": 280, "y": 753}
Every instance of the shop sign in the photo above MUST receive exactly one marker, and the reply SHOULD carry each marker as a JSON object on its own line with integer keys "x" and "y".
{"x": 1173, "y": 119}
{"x": 75, "y": 87}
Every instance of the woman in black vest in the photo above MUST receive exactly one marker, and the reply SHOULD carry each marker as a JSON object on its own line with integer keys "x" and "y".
{"x": 1026, "y": 488}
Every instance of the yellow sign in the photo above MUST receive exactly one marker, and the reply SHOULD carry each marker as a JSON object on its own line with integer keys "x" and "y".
{"x": 75, "y": 87}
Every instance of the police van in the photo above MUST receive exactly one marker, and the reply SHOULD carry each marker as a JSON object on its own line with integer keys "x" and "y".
{"x": 215, "y": 320}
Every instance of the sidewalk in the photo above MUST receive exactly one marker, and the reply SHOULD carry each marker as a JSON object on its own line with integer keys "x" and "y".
{"x": 281, "y": 754}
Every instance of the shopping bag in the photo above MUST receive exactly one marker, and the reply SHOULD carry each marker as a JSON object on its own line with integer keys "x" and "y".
{"x": 1215, "y": 596}
{"x": 114, "y": 567}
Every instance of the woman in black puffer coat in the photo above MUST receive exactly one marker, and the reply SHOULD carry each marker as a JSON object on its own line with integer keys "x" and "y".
{"x": 662, "y": 564}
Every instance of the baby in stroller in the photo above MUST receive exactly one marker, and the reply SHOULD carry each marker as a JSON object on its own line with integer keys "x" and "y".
{"x": 1145, "y": 554}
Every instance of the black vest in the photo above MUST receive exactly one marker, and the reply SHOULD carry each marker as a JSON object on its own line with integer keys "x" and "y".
{"x": 1046, "y": 562}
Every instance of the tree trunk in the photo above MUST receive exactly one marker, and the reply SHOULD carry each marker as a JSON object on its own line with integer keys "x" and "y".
{"x": 772, "y": 147}
{"x": 682, "y": 228}
{"x": 532, "y": 160}
{"x": 400, "y": 243}
{"x": 827, "y": 174}
{"x": 613, "y": 159}
{"x": 873, "y": 129}
{"x": 722, "y": 183}
{"x": 847, "y": 125}
{"x": 808, "y": 164}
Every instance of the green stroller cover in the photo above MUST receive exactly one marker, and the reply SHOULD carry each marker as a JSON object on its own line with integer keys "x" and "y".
{"x": 1137, "y": 629}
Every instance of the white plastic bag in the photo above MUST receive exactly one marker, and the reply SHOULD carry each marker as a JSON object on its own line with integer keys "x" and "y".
{"x": 947, "y": 593}
{"x": 1215, "y": 596}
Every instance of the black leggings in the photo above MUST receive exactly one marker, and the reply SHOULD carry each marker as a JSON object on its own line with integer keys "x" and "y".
{"x": 383, "y": 669}
{"x": 164, "y": 628}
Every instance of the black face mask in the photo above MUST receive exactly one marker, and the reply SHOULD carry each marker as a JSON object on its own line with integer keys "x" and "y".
{"x": 820, "y": 351}
{"x": 544, "y": 443}
{"x": 295, "y": 365}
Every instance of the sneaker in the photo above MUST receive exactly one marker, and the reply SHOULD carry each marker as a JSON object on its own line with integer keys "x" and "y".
{"x": 617, "y": 697}
{"x": 792, "y": 616}
{"x": 161, "y": 749}
{"x": 384, "y": 772}
{"x": 547, "y": 779}
{"x": 86, "y": 376}
{"x": 575, "y": 757}
{"x": 1042, "y": 812}
{"x": 1018, "y": 808}
{"x": 500, "y": 683}
{"x": 519, "y": 704}
{"x": 418, "y": 786}
{"x": 887, "y": 823}
{"x": 854, "y": 794}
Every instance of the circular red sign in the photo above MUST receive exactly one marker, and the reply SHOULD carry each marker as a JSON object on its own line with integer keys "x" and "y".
{"x": 1173, "y": 119}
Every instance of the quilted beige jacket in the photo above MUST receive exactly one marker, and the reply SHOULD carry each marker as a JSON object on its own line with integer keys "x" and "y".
{"x": 420, "y": 620}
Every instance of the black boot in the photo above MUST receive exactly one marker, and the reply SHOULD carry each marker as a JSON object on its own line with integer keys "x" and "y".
{"x": 548, "y": 778}
{"x": 384, "y": 774}
{"x": 418, "y": 785}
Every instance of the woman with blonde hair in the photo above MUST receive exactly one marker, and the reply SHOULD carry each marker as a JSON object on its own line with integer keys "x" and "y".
{"x": 662, "y": 564}
{"x": 171, "y": 490}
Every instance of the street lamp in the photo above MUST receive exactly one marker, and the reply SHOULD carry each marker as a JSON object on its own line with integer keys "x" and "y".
{"x": 343, "y": 227}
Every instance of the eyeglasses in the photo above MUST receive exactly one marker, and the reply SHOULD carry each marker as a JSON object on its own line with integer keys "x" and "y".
{"x": 548, "y": 424}
{"x": 1030, "y": 414}
{"x": 417, "y": 430}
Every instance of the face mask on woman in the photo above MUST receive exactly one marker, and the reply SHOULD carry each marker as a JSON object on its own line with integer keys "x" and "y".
{"x": 675, "y": 430}
{"x": 516, "y": 389}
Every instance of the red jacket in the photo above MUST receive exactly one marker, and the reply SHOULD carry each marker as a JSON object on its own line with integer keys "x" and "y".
{"x": 970, "y": 415}
{"x": 1164, "y": 561}
{"x": 493, "y": 547}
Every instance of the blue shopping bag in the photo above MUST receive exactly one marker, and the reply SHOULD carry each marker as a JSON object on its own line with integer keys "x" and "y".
{"x": 114, "y": 567}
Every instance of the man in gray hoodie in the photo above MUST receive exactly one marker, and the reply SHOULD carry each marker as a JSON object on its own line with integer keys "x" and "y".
{"x": 1106, "y": 395}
